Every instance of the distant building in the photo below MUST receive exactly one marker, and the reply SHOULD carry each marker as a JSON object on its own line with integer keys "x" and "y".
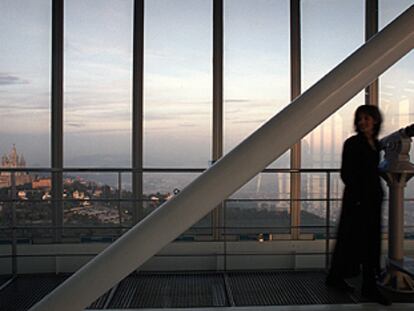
{"x": 13, "y": 160}
{"x": 42, "y": 183}
{"x": 22, "y": 195}
{"x": 78, "y": 195}
{"x": 97, "y": 193}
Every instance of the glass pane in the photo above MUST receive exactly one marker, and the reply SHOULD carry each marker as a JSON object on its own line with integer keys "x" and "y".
{"x": 25, "y": 80}
{"x": 315, "y": 205}
{"x": 161, "y": 187}
{"x": 91, "y": 199}
{"x": 178, "y": 83}
{"x": 93, "y": 210}
{"x": 256, "y": 70}
{"x": 397, "y": 102}
{"x": 266, "y": 186}
{"x": 98, "y": 71}
{"x": 258, "y": 220}
{"x": 260, "y": 210}
{"x": 331, "y": 31}
{"x": 396, "y": 84}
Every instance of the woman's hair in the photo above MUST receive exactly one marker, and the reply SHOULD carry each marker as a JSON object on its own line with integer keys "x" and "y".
{"x": 372, "y": 111}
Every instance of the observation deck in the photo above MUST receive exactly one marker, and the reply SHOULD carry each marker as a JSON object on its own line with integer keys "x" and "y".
{"x": 246, "y": 290}
{"x": 275, "y": 257}
{"x": 254, "y": 264}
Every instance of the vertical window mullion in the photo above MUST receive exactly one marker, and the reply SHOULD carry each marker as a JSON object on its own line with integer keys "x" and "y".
{"x": 295, "y": 88}
{"x": 137, "y": 109}
{"x": 57, "y": 115}
{"x": 217, "y": 143}
{"x": 371, "y": 28}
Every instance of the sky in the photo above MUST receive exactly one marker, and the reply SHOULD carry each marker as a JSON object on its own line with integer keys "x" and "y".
{"x": 177, "y": 75}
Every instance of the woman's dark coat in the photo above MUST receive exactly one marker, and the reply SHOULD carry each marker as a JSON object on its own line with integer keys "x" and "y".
{"x": 359, "y": 232}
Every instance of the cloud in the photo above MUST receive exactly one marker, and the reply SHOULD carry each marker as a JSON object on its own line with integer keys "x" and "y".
{"x": 7, "y": 79}
{"x": 108, "y": 131}
{"x": 187, "y": 125}
{"x": 256, "y": 121}
{"x": 183, "y": 84}
{"x": 19, "y": 104}
{"x": 237, "y": 100}
{"x": 75, "y": 125}
{"x": 23, "y": 107}
{"x": 175, "y": 115}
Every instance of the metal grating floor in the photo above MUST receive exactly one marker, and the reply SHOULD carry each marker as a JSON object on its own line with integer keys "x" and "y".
{"x": 193, "y": 290}
{"x": 283, "y": 288}
{"x": 26, "y": 290}
{"x": 4, "y": 279}
{"x": 183, "y": 290}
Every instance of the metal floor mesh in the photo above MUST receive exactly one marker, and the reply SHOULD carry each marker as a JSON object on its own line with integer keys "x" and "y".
{"x": 283, "y": 288}
{"x": 24, "y": 291}
{"x": 170, "y": 291}
{"x": 4, "y": 279}
{"x": 191, "y": 290}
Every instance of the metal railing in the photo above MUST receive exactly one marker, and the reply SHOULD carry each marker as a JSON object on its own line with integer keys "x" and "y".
{"x": 14, "y": 227}
{"x": 229, "y": 232}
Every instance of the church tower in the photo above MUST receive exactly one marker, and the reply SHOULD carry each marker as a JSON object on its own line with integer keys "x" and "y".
{"x": 13, "y": 160}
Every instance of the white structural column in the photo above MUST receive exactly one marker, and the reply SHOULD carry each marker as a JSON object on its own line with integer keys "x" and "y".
{"x": 235, "y": 169}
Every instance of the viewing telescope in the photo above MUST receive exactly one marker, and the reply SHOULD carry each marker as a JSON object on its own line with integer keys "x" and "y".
{"x": 397, "y": 147}
{"x": 397, "y": 169}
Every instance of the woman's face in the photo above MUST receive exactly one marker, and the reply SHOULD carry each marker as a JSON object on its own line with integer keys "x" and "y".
{"x": 366, "y": 123}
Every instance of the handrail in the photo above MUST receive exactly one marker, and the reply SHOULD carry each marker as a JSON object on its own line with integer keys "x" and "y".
{"x": 154, "y": 170}
{"x": 110, "y": 227}
{"x": 235, "y": 169}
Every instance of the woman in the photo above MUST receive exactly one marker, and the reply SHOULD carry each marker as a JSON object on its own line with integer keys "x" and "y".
{"x": 359, "y": 233}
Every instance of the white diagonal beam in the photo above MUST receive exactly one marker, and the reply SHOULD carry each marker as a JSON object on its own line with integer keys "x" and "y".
{"x": 235, "y": 169}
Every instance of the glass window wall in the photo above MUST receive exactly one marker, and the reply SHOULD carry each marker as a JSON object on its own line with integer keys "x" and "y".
{"x": 396, "y": 95}
{"x": 331, "y": 31}
{"x": 25, "y": 49}
{"x": 97, "y": 83}
{"x": 177, "y": 83}
{"x": 256, "y": 67}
